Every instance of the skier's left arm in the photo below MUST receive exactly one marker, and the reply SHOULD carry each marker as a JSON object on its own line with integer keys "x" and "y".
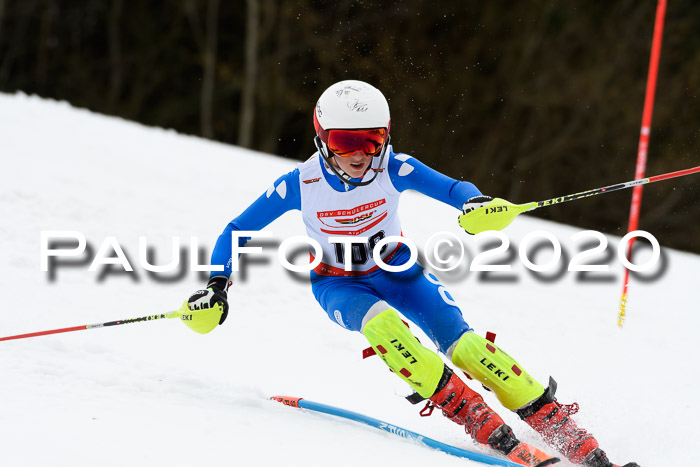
{"x": 408, "y": 173}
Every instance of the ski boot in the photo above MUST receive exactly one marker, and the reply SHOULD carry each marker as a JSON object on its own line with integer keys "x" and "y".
{"x": 552, "y": 420}
{"x": 467, "y": 408}
{"x": 597, "y": 458}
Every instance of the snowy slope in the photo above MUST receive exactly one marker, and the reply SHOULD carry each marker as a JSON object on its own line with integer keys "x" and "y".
{"x": 158, "y": 394}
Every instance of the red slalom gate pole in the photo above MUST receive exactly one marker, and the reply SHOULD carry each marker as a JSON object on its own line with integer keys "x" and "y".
{"x": 643, "y": 146}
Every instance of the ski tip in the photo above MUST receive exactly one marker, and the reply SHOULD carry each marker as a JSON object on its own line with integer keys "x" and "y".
{"x": 286, "y": 400}
{"x": 551, "y": 461}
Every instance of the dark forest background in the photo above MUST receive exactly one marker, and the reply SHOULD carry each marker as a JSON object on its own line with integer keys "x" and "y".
{"x": 528, "y": 100}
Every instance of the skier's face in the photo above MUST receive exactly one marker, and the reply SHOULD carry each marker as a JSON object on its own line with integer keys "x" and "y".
{"x": 354, "y": 165}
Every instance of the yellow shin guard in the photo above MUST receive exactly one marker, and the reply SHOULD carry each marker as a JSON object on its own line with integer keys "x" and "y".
{"x": 394, "y": 343}
{"x": 495, "y": 369}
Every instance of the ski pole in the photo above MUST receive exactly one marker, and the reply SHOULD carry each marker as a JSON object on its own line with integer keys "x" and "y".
{"x": 170, "y": 314}
{"x": 200, "y": 321}
{"x": 499, "y": 213}
{"x": 402, "y": 432}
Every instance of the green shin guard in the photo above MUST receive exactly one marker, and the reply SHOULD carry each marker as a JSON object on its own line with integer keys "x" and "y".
{"x": 495, "y": 369}
{"x": 396, "y": 345}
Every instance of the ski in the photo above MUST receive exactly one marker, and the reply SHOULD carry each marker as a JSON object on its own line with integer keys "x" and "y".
{"x": 525, "y": 454}
{"x": 522, "y": 455}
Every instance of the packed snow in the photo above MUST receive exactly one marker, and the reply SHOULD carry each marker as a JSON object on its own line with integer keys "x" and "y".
{"x": 157, "y": 394}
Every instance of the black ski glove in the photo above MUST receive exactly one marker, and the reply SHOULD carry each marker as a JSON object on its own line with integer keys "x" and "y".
{"x": 475, "y": 202}
{"x": 213, "y": 294}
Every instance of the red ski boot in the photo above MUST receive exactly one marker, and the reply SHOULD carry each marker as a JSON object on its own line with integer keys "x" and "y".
{"x": 597, "y": 458}
{"x": 467, "y": 408}
{"x": 552, "y": 420}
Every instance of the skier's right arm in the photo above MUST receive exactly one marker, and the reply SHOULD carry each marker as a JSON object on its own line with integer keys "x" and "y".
{"x": 282, "y": 196}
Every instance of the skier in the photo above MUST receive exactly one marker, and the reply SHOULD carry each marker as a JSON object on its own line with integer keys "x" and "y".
{"x": 351, "y": 187}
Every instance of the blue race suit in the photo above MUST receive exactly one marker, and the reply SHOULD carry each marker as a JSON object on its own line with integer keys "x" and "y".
{"x": 346, "y": 296}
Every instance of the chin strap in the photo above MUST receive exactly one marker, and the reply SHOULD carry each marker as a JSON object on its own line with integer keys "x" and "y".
{"x": 344, "y": 177}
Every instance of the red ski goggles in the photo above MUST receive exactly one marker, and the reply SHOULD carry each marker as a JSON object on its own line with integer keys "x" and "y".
{"x": 345, "y": 143}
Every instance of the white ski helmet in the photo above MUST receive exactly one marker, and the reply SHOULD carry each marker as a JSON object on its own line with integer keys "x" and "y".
{"x": 351, "y": 106}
